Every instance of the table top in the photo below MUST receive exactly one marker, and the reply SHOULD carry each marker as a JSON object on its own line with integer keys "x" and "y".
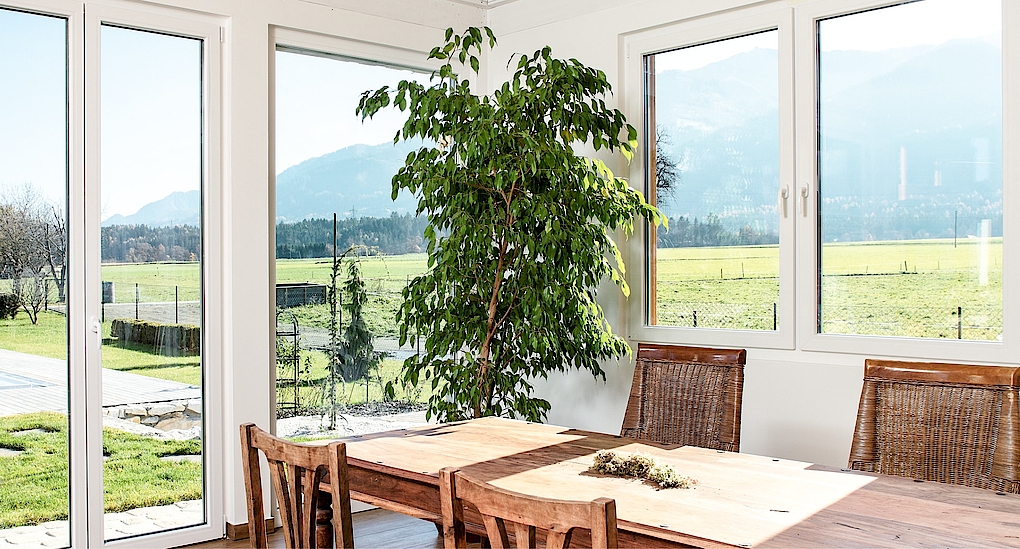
{"x": 739, "y": 500}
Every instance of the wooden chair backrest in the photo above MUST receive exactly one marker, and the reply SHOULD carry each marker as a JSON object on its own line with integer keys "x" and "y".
{"x": 686, "y": 395}
{"x": 952, "y": 423}
{"x": 296, "y": 471}
{"x": 558, "y": 518}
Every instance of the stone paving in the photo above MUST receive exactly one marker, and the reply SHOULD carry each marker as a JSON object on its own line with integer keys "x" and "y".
{"x": 117, "y": 525}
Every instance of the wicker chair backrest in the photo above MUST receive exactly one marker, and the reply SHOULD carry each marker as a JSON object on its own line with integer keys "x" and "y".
{"x": 952, "y": 423}
{"x": 686, "y": 396}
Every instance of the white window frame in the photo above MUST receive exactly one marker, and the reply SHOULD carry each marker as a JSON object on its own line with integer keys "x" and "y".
{"x": 691, "y": 33}
{"x": 341, "y": 49}
{"x": 806, "y": 17}
{"x": 798, "y": 236}
{"x": 211, "y": 30}
{"x": 71, "y": 12}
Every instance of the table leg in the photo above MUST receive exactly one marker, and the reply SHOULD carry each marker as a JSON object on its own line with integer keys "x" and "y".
{"x": 471, "y": 538}
{"x": 324, "y": 520}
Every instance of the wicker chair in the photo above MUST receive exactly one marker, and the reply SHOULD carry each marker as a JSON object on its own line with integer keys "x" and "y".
{"x": 686, "y": 395}
{"x": 952, "y": 423}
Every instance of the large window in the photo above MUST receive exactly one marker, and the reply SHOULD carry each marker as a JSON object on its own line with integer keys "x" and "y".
{"x": 714, "y": 109}
{"x": 34, "y": 423}
{"x": 910, "y": 171}
{"x": 882, "y": 216}
{"x": 337, "y": 340}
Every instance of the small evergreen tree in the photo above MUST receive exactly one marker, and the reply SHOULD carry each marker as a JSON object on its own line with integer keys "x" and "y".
{"x": 356, "y": 356}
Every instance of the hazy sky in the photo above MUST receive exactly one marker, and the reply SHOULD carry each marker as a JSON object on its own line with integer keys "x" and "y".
{"x": 315, "y": 102}
{"x": 929, "y": 22}
{"x": 151, "y": 121}
{"x": 151, "y": 96}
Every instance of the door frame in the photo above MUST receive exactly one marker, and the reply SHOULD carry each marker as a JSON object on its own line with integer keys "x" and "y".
{"x": 210, "y": 29}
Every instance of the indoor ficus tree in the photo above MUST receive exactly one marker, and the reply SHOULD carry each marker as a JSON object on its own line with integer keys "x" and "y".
{"x": 519, "y": 227}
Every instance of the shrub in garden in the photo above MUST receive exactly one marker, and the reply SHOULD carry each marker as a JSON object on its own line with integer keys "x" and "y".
{"x": 9, "y": 305}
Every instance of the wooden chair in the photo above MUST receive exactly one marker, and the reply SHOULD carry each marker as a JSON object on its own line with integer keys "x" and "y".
{"x": 952, "y": 423}
{"x": 686, "y": 395}
{"x": 296, "y": 471}
{"x": 498, "y": 506}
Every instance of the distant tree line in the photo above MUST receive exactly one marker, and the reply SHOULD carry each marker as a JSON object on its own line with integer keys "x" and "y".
{"x": 393, "y": 235}
{"x": 145, "y": 244}
{"x": 856, "y": 219}
{"x": 686, "y": 232}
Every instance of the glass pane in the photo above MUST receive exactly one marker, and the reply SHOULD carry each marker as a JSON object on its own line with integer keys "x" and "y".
{"x": 151, "y": 185}
{"x": 333, "y": 176}
{"x": 33, "y": 244}
{"x": 910, "y": 171}
{"x": 715, "y": 113}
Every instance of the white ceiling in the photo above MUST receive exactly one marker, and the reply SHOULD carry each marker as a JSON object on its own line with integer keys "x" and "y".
{"x": 484, "y": 3}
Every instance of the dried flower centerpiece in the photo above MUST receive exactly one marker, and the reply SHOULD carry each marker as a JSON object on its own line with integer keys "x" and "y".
{"x": 607, "y": 462}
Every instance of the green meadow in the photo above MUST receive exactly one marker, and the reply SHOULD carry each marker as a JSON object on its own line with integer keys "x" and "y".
{"x": 906, "y": 288}
{"x": 903, "y": 288}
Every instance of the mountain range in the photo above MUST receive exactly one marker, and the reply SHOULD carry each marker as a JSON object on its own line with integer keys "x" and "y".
{"x": 178, "y": 208}
{"x": 351, "y": 182}
{"x": 910, "y": 133}
{"x": 909, "y": 138}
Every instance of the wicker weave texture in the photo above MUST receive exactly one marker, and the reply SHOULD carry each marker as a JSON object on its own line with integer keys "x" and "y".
{"x": 938, "y": 431}
{"x": 686, "y": 402}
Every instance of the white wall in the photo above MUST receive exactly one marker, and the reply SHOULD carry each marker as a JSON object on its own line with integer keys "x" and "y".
{"x": 797, "y": 405}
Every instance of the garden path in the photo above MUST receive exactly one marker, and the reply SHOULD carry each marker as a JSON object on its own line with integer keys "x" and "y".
{"x": 30, "y": 383}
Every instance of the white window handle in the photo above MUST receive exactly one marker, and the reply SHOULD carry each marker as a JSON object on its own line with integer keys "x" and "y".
{"x": 784, "y": 195}
{"x": 804, "y": 193}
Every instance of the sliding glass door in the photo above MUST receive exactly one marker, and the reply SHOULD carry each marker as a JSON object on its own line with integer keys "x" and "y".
{"x": 150, "y": 184}
{"x": 151, "y": 122}
{"x": 108, "y": 157}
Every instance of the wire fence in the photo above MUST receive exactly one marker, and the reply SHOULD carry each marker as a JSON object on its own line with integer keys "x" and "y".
{"x": 734, "y": 316}
{"x": 973, "y": 322}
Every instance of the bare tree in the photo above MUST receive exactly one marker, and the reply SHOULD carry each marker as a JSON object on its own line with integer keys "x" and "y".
{"x": 667, "y": 170}
{"x": 55, "y": 241}
{"x": 33, "y": 247}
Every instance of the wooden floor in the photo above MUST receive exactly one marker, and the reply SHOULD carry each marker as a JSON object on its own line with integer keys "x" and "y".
{"x": 376, "y": 529}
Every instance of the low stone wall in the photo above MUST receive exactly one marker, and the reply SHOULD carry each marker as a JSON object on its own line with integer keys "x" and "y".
{"x": 176, "y": 414}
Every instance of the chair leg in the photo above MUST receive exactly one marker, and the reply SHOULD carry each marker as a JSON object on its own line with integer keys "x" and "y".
{"x": 324, "y": 520}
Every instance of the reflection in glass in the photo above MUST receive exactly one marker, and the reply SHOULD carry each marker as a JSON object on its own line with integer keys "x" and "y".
{"x": 34, "y": 461}
{"x": 714, "y": 110}
{"x": 910, "y": 171}
{"x": 151, "y": 188}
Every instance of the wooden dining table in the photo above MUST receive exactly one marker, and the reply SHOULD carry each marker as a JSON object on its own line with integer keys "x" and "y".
{"x": 739, "y": 500}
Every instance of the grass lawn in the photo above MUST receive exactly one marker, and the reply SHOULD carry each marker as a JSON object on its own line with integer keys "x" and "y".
{"x": 313, "y": 389}
{"x": 385, "y": 279}
{"x": 49, "y": 338}
{"x": 901, "y": 288}
{"x": 34, "y": 484}
{"x": 156, "y": 281}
